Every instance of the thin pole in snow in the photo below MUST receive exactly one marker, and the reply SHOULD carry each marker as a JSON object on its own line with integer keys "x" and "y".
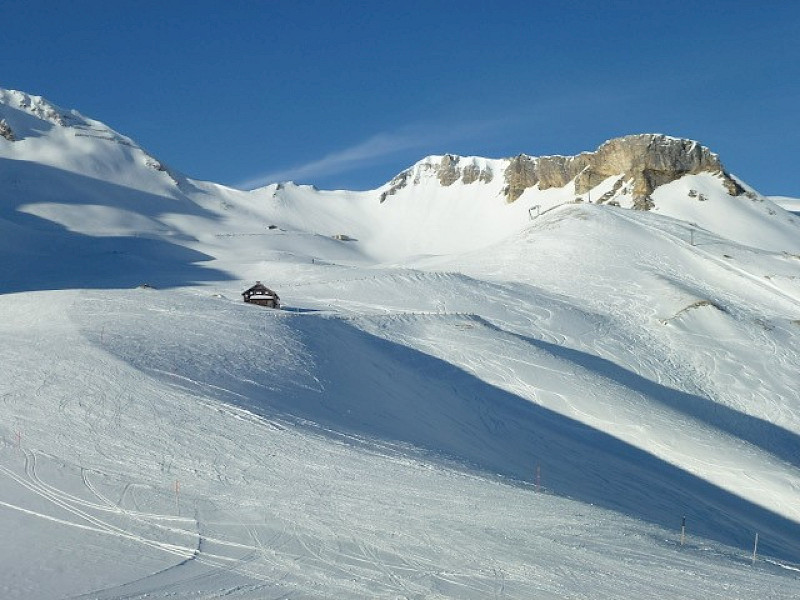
{"x": 683, "y": 530}
{"x": 691, "y": 236}
{"x": 18, "y": 437}
{"x": 538, "y": 477}
{"x": 755, "y": 549}
{"x": 177, "y": 497}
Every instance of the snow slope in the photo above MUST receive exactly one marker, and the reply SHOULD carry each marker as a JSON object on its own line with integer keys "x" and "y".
{"x": 459, "y": 401}
{"x": 790, "y": 204}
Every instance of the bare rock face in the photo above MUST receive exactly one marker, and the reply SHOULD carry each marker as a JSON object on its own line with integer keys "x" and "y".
{"x": 5, "y": 131}
{"x": 652, "y": 160}
{"x": 448, "y": 169}
{"x": 638, "y": 163}
{"x": 647, "y": 161}
{"x": 520, "y": 174}
{"x": 396, "y": 184}
{"x": 472, "y": 173}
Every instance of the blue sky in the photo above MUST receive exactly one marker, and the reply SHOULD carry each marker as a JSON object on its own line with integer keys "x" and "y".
{"x": 346, "y": 94}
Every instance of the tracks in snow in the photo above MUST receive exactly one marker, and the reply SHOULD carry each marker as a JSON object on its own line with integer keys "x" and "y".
{"x": 721, "y": 262}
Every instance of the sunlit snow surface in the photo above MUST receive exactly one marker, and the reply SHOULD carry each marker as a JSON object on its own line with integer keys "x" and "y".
{"x": 460, "y": 402}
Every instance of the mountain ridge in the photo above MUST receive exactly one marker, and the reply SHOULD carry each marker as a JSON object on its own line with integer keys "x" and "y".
{"x": 640, "y": 163}
{"x": 412, "y": 214}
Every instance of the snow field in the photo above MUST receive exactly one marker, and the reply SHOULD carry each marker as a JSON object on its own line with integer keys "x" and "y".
{"x": 281, "y": 505}
{"x": 461, "y": 401}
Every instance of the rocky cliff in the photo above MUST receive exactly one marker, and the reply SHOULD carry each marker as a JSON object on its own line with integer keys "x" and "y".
{"x": 640, "y": 163}
{"x": 644, "y": 161}
{"x": 447, "y": 169}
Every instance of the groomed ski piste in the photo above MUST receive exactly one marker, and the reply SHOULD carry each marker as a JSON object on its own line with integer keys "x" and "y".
{"x": 459, "y": 399}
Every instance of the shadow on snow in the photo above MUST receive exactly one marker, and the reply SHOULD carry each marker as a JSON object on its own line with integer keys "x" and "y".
{"x": 39, "y": 254}
{"x": 762, "y": 434}
{"x": 379, "y": 390}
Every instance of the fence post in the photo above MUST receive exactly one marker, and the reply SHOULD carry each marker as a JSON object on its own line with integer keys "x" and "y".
{"x": 755, "y": 549}
{"x": 683, "y": 530}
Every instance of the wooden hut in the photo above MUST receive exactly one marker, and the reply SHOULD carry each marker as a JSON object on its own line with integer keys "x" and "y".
{"x": 261, "y": 295}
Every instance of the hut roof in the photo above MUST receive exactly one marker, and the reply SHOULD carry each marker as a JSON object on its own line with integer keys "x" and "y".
{"x": 259, "y": 289}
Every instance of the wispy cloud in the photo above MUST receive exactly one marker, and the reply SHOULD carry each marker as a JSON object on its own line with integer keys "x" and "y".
{"x": 370, "y": 151}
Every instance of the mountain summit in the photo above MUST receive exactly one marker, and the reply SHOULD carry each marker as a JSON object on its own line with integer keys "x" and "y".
{"x": 638, "y": 164}
{"x": 441, "y": 205}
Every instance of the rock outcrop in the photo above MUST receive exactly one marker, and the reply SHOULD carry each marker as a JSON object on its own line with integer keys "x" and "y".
{"x": 452, "y": 168}
{"x": 647, "y": 161}
{"x": 638, "y": 163}
{"x": 520, "y": 174}
{"x": 6, "y": 131}
{"x": 36, "y": 106}
{"x": 395, "y": 185}
{"x": 447, "y": 169}
{"x": 472, "y": 173}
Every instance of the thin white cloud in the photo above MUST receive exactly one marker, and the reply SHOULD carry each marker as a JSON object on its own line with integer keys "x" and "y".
{"x": 368, "y": 152}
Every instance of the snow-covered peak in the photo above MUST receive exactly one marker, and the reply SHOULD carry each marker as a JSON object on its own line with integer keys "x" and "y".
{"x": 654, "y": 139}
{"x": 444, "y": 170}
{"x": 443, "y": 204}
{"x": 34, "y": 129}
{"x": 646, "y": 160}
{"x": 17, "y": 108}
{"x": 38, "y": 107}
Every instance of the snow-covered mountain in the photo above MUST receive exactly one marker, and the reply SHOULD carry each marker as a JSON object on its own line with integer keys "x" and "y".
{"x": 492, "y": 377}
